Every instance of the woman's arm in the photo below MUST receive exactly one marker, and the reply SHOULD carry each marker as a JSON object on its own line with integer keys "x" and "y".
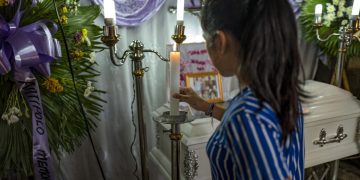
{"x": 189, "y": 96}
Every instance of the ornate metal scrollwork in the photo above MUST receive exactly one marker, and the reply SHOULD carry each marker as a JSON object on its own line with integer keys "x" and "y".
{"x": 191, "y": 164}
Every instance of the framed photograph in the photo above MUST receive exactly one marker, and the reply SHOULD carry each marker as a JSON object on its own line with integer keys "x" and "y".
{"x": 207, "y": 85}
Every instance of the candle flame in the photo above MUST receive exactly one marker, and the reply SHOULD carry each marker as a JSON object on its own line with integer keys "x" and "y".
{"x": 174, "y": 47}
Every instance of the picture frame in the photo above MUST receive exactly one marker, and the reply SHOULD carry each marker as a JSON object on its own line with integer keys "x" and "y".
{"x": 207, "y": 85}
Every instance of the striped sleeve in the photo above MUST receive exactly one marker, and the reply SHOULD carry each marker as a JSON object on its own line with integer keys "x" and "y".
{"x": 255, "y": 148}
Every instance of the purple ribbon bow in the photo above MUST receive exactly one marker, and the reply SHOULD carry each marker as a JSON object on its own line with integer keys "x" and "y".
{"x": 28, "y": 46}
{"x": 21, "y": 50}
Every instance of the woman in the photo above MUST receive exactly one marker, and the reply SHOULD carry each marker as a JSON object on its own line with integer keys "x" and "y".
{"x": 261, "y": 132}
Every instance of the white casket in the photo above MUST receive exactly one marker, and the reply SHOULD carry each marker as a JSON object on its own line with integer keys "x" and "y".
{"x": 333, "y": 114}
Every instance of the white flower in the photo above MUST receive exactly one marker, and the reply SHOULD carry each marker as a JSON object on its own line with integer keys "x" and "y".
{"x": 5, "y": 117}
{"x": 342, "y": 9}
{"x": 340, "y": 14}
{"x": 92, "y": 58}
{"x": 342, "y": 3}
{"x": 89, "y": 84}
{"x": 331, "y": 17}
{"x": 15, "y": 110}
{"x": 330, "y": 8}
{"x": 327, "y": 23}
{"x": 87, "y": 92}
{"x": 335, "y": 2}
{"x": 344, "y": 22}
{"x": 13, "y": 119}
{"x": 348, "y": 10}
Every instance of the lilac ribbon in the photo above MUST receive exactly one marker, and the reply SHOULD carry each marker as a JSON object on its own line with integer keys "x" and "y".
{"x": 21, "y": 50}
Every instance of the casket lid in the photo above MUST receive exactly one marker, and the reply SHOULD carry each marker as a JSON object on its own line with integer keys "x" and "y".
{"x": 327, "y": 101}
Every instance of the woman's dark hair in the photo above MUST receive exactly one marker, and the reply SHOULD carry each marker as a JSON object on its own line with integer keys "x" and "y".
{"x": 269, "y": 59}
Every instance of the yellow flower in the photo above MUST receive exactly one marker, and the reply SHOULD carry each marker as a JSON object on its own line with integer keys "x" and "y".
{"x": 3, "y": 3}
{"x": 77, "y": 54}
{"x": 64, "y": 10}
{"x": 84, "y": 36}
{"x": 63, "y": 19}
{"x": 84, "y": 33}
{"x": 53, "y": 85}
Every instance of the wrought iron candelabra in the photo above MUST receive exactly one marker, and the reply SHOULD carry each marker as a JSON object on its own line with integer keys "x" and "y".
{"x": 136, "y": 53}
{"x": 346, "y": 35}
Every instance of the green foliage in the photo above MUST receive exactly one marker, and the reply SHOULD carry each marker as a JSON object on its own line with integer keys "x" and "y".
{"x": 329, "y": 47}
{"x": 65, "y": 124}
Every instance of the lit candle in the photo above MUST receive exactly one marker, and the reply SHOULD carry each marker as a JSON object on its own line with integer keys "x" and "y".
{"x": 318, "y": 9}
{"x": 355, "y": 8}
{"x": 318, "y": 12}
{"x": 174, "y": 81}
{"x": 180, "y": 12}
{"x": 109, "y": 11}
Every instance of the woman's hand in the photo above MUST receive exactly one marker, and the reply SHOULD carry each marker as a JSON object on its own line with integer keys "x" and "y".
{"x": 189, "y": 96}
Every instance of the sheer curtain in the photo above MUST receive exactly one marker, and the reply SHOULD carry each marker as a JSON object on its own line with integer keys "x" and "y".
{"x": 115, "y": 131}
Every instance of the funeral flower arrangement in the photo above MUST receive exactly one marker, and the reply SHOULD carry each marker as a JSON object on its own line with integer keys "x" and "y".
{"x": 39, "y": 107}
{"x": 336, "y": 13}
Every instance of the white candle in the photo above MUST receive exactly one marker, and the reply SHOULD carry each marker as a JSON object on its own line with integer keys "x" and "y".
{"x": 109, "y": 10}
{"x": 180, "y": 12}
{"x": 174, "y": 81}
{"x": 318, "y": 12}
{"x": 355, "y": 8}
{"x": 318, "y": 9}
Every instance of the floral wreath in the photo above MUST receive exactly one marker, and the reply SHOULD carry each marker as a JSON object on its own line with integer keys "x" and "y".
{"x": 65, "y": 123}
{"x": 336, "y": 13}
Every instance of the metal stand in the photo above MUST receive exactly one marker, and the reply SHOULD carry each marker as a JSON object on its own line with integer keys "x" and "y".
{"x": 175, "y": 137}
{"x": 136, "y": 52}
{"x": 175, "y": 121}
{"x": 139, "y": 73}
{"x": 345, "y": 38}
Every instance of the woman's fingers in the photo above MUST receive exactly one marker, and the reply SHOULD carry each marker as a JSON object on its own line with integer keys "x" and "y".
{"x": 181, "y": 97}
{"x": 185, "y": 90}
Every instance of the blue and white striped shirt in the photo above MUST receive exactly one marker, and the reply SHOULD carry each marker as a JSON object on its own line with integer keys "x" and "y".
{"x": 248, "y": 144}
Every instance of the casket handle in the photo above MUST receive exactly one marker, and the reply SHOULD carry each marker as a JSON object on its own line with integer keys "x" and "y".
{"x": 337, "y": 138}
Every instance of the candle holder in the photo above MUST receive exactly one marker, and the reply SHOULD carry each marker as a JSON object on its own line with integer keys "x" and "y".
{"x": 175, "y": 136}
{"x": 192, "y": 10}
{"x": 346, "y": 36}
{"x": 136, "y": 53}
{"x": 175, "y": 120}
{"x": 179, "y": 35}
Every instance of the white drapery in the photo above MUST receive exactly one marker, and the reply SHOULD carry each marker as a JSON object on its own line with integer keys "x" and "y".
{"x": 115, "y": 132}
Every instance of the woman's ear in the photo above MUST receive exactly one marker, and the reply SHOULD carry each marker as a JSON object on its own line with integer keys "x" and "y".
{"x": 222, "y": 41}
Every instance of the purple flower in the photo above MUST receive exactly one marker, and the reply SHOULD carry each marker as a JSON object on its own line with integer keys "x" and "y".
{"x": 77, "y": 37}
{"x": 10, "y": 2}
{"x": 6, "y": 2}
